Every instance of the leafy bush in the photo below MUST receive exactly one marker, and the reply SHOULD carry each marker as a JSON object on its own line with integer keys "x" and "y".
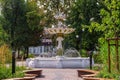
{"x": 98, "y": 67}
{"x": 31, "y": 55}
{"x": 83, "y": 53}
{"x": 6, "y": 72}
{"x": 106, "y": 74}
{"x": 5, "y": 54}
{"x": 60, "y": 52}
{"x": 103, "y": 57}
{"x": 97, "y": 58}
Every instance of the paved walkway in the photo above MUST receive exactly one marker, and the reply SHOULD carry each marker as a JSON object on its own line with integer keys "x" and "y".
{"x": 55, "y": 74}
{"x": 59, "y": 74}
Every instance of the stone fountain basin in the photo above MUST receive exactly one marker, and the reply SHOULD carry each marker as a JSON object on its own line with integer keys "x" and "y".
{"x": 58, "y": 62}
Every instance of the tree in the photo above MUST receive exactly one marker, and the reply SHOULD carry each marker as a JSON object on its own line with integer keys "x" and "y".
{"x": 110, "y": 27}
{"x": 14, "y": 20}
{"x": 110, "y": 14}
{"x": 17, "y": 24}
{"x": 3, "y": 36}
{"x": 81, "y": 14}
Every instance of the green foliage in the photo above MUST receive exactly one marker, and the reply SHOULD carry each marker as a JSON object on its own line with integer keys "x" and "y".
{"x": 3, "y": 36}
{"x": 20, "y": 68}
{"x": 31, "y": 55}
{"x": 109, "y": 27}
{"x": 78, "y": 18}
{"x": 97, "y": 58}
{"x": 20, "y": 21}
{"x": 33, "y": 19}
{"x": 98, "y": 67}
{"x": 103, "y": 58}
{"x": 59, "y": 52}
{"x": 5, "y": 54}
{"x": 5, "y": 72}
{"x": 83, "y": 53}
{"x": 110, "y": 24}
{"x": 13, "y": 21}
{"x": 34, "y": 15}
{"x": 105, "y": 74}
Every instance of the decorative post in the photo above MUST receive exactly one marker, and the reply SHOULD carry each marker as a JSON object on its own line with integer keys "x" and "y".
{"x": 14, "y": 24}
{"x": 116, "y": 44}
{"x": 90, "y": 56}
{"x": 109, "y": 58}
{"x": 117, "y": 55}
{"x": 13, "y": 62}
{"x": 77, "y": 42}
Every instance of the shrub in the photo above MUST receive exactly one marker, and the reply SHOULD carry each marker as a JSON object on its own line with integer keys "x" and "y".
{"x": 60, "y": 52}
{"x": 103, "y": 56}
{"x": 5, "y": 72}
{"x": 31, "y": 55}
{"x": 97, "y": 58}
{"x": 98, "y": 67}
{"x": 5, "y": 54}
{"x": 83, "y": 53}
{"x": 106, "y": 74}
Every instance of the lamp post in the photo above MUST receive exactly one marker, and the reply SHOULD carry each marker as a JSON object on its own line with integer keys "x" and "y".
{"x": 14, "y": 13}
{"x": 77, "y": 42}
{"x": 13, "y": 62}
{"x": 13, "y": 50}
{"x": 90, "y": 53}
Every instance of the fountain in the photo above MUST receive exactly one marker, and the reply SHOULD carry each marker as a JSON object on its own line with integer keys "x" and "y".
{"x": 60, "y": 30}
{"x": 60, "y": 61}
{"x": 71, "y": 52}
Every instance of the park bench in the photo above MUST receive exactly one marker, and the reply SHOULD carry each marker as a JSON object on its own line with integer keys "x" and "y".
{"x": 31, "y": 73}
{"x": 86, "y": 73}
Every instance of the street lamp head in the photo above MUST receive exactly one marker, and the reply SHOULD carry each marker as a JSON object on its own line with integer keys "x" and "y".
{"x": 53, "y": 26}
{"x": 77, "y": 36}
{"x": 83, "y": 30}
{"x": 91, "y": 19}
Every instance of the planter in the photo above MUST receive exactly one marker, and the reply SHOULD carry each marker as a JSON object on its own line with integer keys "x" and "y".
{"x": 30, "y": 75}
{"x": 86, "y": 73}
{"x": 33, "y": 73}
{"x": 88, "y": 78}
{"x": 24, "y": 78}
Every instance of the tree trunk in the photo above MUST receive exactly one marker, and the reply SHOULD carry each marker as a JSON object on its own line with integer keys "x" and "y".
{"x": 27, "y": 52}
{"x": 18, "y": 53}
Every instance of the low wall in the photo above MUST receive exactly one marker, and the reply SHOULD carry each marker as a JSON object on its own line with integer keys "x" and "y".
{"x": 59, "y": 62}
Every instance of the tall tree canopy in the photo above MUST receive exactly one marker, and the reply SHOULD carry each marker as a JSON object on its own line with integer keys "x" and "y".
{"x": 13, "y": 20}
{"x": 110, "y": 27}
{"x": 20, "y": 20}
{"x": 110, "y": 13}
{"x": 82, "y": 13}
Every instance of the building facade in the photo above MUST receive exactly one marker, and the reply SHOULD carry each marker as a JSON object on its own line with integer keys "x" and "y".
{"x": 45, "y": 49}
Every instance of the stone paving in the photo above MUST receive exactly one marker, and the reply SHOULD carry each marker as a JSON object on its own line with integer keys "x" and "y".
{"x": 59, "y": 74}
{"x": 55, "y": 74}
